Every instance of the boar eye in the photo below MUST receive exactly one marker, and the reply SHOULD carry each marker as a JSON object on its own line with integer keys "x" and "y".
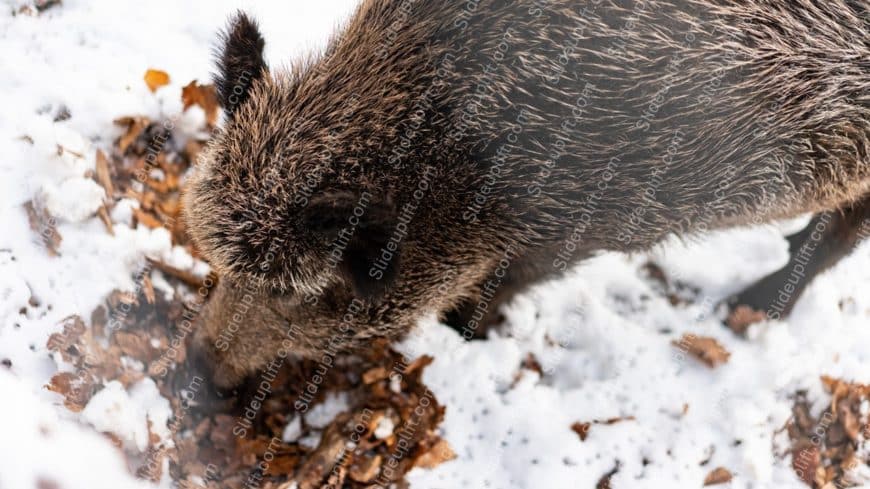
{"x": 362, "y": 224}
{"x": 243, "y": 220}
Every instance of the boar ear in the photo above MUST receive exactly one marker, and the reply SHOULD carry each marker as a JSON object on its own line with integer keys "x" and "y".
{"x": 358, "y": 228}
{"x": 239, "y": 61}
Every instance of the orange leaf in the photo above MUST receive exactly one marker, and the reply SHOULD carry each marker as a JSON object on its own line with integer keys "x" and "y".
{"x": 156, "y": 79}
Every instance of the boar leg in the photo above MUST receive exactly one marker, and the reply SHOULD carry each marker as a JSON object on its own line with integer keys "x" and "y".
{"x": 474, "y": 316}
{"x": 828, "y": 238}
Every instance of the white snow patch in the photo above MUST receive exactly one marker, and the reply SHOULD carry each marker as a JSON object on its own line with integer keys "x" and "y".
{"x": 74, "y": 200}
{"x": 293, "y": 430}
{"x": 126, "y": 414}
{"x": 39, "y": 445}
{"x": 385, "y": 428}
{"x": 311, "y": 440}
{"x": 320, "y": 415}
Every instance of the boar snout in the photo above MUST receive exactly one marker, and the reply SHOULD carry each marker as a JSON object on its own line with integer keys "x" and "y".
{"x": 239, "y": 330}
{"x": 205, "y": 361}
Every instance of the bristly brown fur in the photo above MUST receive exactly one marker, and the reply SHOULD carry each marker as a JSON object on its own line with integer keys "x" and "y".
{"x": 553, "y": 129}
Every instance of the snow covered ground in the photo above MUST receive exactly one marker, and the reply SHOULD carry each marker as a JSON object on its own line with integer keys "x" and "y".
{"x": 510, "y": 427}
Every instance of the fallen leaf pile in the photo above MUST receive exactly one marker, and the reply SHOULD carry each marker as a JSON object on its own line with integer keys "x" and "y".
{"x": 390, "y": 425}
{"x": 390, "y": 422}
{"x": 827, "y": 450}
{"x": 120, "y": 331}
{"x": 146, "y": 163}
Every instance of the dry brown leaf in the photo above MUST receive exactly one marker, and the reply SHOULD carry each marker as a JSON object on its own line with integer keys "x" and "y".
{"x": 156, "y": 79}
{"x": 705, "y": 349}
{"x": 283, "y": 464}
{"x": 170, "y": 207}
{"x": 582, "y": 430}
{"x": 103, "y": 212}
{"x": 152, "y": 471}
{"x": 851, "y": 424}
{"x": 134, "y": 127}
{"x": 146, "y": 219}
{"x": 73, "y": 330}
{"x": 365, "y": 469}
{"x": 805, "y": 462}
{"x": 76, "y": 389}
{"x": 375, "y": 374}
{"x": 148, "y": 289}
{"x": 183, "y": 275}
{"x": 104, "y": 176}
{"x": 320, "y": 463}
{"x": 532, "y": 363}
{"x": 134, "y": 344}
{"x": 437, "y": 455}
{"x": 418, "y": 364}
{"x": 283, "y": 457}
{"x": 719, "y": 475}
{"x": 44, "y": 225}
{"x": 336, "y": 477}
{"x": 168, "y": 184}
{"x": 617, "y": 419}
{"x": 743, "y": 317}
{"x": 148, "y": 200}
{"x": 203, "y": 96}
{"x": 840, "y": 389}
{"x": 61, "y": 150}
